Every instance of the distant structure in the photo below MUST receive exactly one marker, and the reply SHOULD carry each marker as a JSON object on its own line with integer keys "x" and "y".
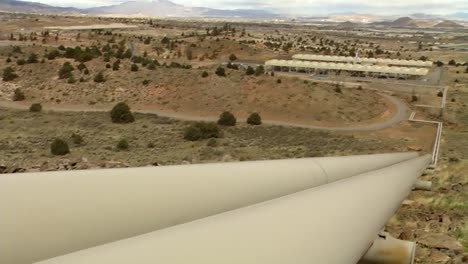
{"x": 355, "y": 70}
{"x": 354, "y": 66}
{"x": 366, "y": 61}
{"x": 91, "y": 27}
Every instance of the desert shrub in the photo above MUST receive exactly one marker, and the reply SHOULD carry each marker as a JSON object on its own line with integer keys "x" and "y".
{"x": 18, "y": 95}
{"x": 32, "y": 58}
{"x": 212, "y": 142}
{"x": 121, "y": 114}
{"x": 151, "y": 66}
{"x": 71, "y": 80}
{"x": 181, "y": 66}
{"x": 53, "y": 54}
{"x": 452, "y": 62}
{"x": 138, "y": 59}
{"x": 227, "y": 119}
{"x": 8, "y": 60}
{"x": 439, "y": 64}
{"x": 440, "y": 94}
{"x": 108, "y": 66}
{"x": 146, "y": 82}
{"x": 220, "y": 72}
{"x": 359, "y": 88}
{"x": 81, "y": 55}
{"x": 201, "y": 130}
{"x": 278, "y": 81}
{"x": 77, "y": 139}
{"x": 9, "y": 74}
{"x": 65, "y": 71}
{"x": 414, "y": 98}
{"x": 254, "y": 119}
{"x": 232, "y": 57}
{"x": 36, "y": 107}
{"x": 259, "y": 70}
{"x": 338, "y": 89}
{"x": 134, "y": 68}
{"x": 99, "y": 78}
{"x": 127, "y": 54}
{"x": 20, "y": 62}
{"x": 150, "y": 145}
{"x": 81, "y": 66}
{"x": 116, "y": 65}
{"x": 17, "y": 49}
{"x": 59, "y": 147}
{"x": 86, "y": 72}
{"x": 204, "y": 74}
{"x": 122, "y": 144}
{"x": 249, "y": 71}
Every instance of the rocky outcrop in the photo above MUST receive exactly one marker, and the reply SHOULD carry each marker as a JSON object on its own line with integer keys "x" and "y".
{"x": 440, "y": 241}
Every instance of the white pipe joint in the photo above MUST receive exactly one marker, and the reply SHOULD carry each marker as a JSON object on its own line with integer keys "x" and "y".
{"x": 423, "y": 186}
{"x": 389, "y": 250}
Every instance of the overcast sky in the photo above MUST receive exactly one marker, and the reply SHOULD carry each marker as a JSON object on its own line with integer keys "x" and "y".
{"x": 385, "y": 7}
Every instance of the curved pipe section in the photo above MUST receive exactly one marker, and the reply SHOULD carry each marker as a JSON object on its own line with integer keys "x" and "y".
{"x": 47, "y": 214}
{"x": 329, "y": 224}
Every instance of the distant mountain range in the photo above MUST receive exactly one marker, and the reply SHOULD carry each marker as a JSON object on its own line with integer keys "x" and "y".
{"x": 447, "y": 24}
{"x": 155, "y": 8}
{"x": 33, "y": 7}
{"x": 166, "y": 8}
{"x": 459, "y": 15}
{"x": 414, "y": 23}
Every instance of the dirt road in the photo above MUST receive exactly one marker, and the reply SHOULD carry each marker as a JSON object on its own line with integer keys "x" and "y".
{"x": 399, "y": 115}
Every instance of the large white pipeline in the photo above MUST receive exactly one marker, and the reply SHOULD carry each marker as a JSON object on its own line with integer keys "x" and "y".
{"x": 334, "y": 224}
{"x": 47, "y": 214}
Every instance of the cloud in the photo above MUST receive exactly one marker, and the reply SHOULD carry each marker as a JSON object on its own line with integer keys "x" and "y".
{"x": 306, "y": 6}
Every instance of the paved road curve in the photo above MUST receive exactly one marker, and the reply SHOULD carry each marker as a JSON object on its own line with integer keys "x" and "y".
{"x": 399, "y": 115}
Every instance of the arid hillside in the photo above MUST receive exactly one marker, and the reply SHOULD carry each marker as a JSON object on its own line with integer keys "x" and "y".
{"x": 149, "y": 82}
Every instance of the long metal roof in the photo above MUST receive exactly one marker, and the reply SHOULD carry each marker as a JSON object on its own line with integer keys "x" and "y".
{"x": 93, "y": 27}
{"x": 312, "y": 57}
{"x": 347, "y": 67}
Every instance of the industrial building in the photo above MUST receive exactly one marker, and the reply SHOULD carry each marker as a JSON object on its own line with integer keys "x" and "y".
{"x": 363, "y": 61}
{"x": 355, "y": 70}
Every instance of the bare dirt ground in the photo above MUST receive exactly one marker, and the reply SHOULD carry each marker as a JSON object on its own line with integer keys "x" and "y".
{"x": 186, "y": 91}
{"x": 389, "y": 118}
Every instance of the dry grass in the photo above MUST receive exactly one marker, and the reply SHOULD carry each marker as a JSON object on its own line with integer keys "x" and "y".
{"x": 25, "y": 138}
{"x": 185, "y": 91}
